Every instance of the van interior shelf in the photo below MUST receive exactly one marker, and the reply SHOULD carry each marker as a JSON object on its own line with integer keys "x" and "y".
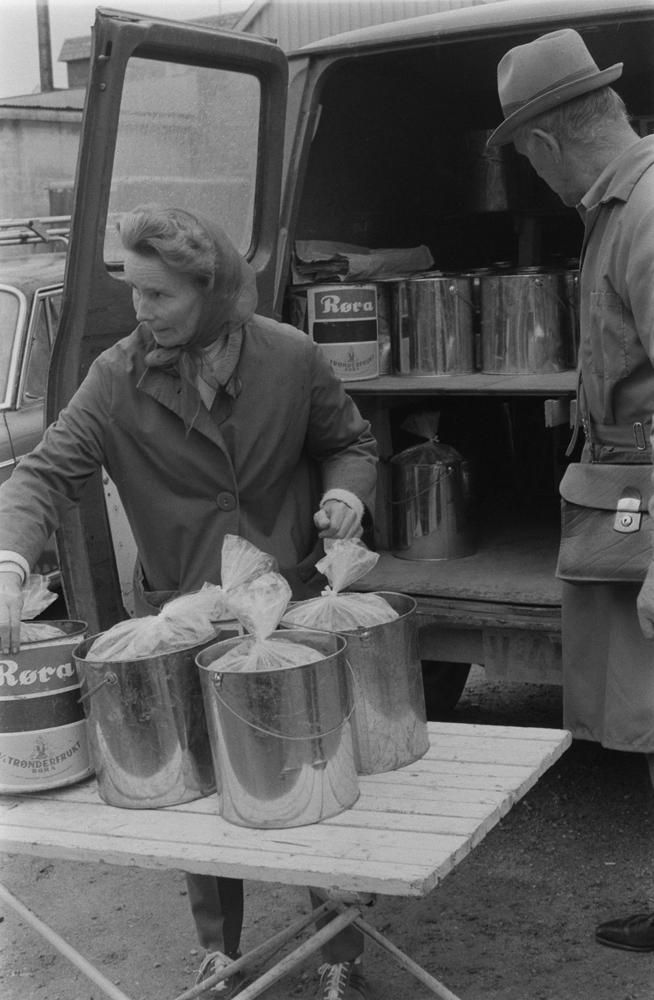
{"x": 515, "y": 563}
{"x": 474, "y": 383}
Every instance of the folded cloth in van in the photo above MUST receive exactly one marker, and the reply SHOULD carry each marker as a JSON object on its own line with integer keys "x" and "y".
{"x": 320, "y": 260}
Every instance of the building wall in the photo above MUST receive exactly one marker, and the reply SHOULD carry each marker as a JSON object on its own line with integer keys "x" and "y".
{"x": 293, "y": 23}
{"x": 38, "y": 145}
{"x": 37, "y": 149}
{"x": 78, "y": 72}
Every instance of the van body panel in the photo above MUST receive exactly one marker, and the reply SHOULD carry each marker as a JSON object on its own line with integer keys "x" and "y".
{"x": 523, "y": 16}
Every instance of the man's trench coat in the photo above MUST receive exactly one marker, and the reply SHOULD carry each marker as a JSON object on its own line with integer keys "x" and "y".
{"x": 608, "y": 666}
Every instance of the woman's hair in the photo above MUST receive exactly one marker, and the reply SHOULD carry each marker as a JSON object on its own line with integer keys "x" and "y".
{"x": 586, "y": 119}
{"x": 173, "y": 235}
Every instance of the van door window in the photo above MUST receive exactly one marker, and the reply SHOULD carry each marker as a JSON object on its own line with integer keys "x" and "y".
{"x": 187, "y": 137}
{"x": 42, "y": 334}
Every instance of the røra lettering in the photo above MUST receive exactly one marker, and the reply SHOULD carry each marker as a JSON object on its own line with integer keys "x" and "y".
{"x": 9, "y": 670}
{"x": 333, "y": 304}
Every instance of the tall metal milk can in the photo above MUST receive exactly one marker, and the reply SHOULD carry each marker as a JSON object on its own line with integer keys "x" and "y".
{"x": 282, "y": 739}
{"x": 146, "y": 728}
{"x": 390, "y": 718}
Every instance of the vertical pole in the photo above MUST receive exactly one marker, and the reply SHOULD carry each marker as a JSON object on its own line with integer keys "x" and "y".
{"x": 45, "y": 47}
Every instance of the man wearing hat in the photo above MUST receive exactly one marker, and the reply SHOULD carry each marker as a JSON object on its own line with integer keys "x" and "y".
{"x": 561, "y": 113}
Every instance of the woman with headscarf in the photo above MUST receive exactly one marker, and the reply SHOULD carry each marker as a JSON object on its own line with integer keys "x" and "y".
{"x": 211, "y": 420}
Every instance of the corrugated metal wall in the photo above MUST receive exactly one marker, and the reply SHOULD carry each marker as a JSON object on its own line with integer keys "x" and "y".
{"x": 294, "y": 23}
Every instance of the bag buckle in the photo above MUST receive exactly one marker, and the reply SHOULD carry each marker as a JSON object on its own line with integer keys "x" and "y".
{"x": 628, "y": 516}
{"x": 639, "y": 435}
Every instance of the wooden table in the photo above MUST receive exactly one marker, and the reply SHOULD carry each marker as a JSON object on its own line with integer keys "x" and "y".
{"x": 408, "y": 829}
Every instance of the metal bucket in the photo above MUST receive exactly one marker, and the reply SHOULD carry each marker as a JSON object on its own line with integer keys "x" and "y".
{"x": 389, "y": 723}
{"x": 572, "y": 297}
{"x": 527, "y": 322}
{"x": 282, "y": 739}
{"x": 497, "y": 178}
{"x": 432, "y": 325}
{"x": 146, "y": 728}
{"x": 43, "y": 740}
{"x": 431, "y": 510}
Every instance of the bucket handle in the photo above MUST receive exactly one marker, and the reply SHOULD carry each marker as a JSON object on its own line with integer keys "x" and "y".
{"x": 110, "y": 678}
{"x": 453, "y": 291}
{"x": 427, "y": 488}
{"x": 364, "y": 636}
{"x": 283, "y": 736}
{"x": 570, "y": 304}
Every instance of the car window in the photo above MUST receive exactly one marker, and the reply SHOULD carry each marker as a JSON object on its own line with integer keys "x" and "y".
{"x": 187, "y": 137}
{"x": 9, "y": 313}
{"x": 43, "y": 330}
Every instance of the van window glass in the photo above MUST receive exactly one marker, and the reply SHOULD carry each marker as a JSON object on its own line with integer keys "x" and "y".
{"x": 187, "y": 137}
{"x": 43, "y": 331}
{"x": 9, "y": 310}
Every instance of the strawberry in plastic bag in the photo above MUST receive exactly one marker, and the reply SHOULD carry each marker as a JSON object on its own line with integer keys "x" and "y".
{"x": 345, "y": 560}
{"x": 259, "y": 606}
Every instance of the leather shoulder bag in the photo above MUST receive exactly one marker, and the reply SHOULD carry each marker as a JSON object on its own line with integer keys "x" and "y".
{"x": 606, "y": 529}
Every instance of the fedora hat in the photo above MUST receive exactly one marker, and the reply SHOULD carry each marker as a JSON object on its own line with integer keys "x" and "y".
{"x": 542, "y": 75}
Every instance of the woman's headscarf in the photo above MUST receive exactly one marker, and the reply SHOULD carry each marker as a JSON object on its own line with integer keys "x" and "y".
{"x": 229, "y": 304}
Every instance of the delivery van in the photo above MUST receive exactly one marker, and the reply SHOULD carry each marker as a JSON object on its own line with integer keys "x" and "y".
{"x": 377, "y": 139}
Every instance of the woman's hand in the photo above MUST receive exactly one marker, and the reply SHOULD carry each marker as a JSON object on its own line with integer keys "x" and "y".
{"x": 336, "y": 520}
{"x": 11, "y": 605}
{"x": 645, "y": 605}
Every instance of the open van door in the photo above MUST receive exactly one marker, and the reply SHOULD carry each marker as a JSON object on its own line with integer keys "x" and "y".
{"x": 180, "y": 115}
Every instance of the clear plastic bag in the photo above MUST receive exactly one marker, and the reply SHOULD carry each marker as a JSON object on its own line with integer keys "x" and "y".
{"x": 39, "y": 632}
{"x": 36, "y": 598}
{"x": 185, "y": 621}
{"x": 242, "y": 562}
{"x": 424, "y": 424}
{"x": 345, "y": 560}
{"x": 259, "y": 606}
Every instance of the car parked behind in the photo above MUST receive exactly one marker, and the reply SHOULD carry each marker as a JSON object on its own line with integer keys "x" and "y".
{"x": 31, "y": 285}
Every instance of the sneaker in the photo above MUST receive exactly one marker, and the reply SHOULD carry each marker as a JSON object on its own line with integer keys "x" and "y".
{"x": 213, "y": 962}
{"x": 344, "y": 981}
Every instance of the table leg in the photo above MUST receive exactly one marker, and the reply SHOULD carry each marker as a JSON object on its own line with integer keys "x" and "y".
{"x": 258, "y": 954}
{"x": 299, "y": 956}
{"x": 406, "y": 962}
{"x": 62, "y": 946}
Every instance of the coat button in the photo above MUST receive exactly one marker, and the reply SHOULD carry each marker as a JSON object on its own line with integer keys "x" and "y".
{"x": 226, "y": 501}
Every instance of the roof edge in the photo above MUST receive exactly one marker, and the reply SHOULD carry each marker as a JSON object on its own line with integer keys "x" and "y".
{"x": 499, "y": 15}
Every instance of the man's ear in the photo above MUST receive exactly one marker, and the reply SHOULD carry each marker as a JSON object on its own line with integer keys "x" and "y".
{"x": 547, "y": 141}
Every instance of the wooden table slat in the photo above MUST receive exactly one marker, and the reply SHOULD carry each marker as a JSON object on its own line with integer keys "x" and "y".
{"x": 408, "y": 829}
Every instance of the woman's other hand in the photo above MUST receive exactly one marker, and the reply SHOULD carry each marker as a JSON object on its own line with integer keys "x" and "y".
{"x": 645, "y": 605}
{"x": 336, "y": 520}
{"x": 11, "y": 605}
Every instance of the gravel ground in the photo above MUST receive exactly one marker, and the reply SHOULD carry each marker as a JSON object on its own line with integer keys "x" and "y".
{"x": 514, "y": 921}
